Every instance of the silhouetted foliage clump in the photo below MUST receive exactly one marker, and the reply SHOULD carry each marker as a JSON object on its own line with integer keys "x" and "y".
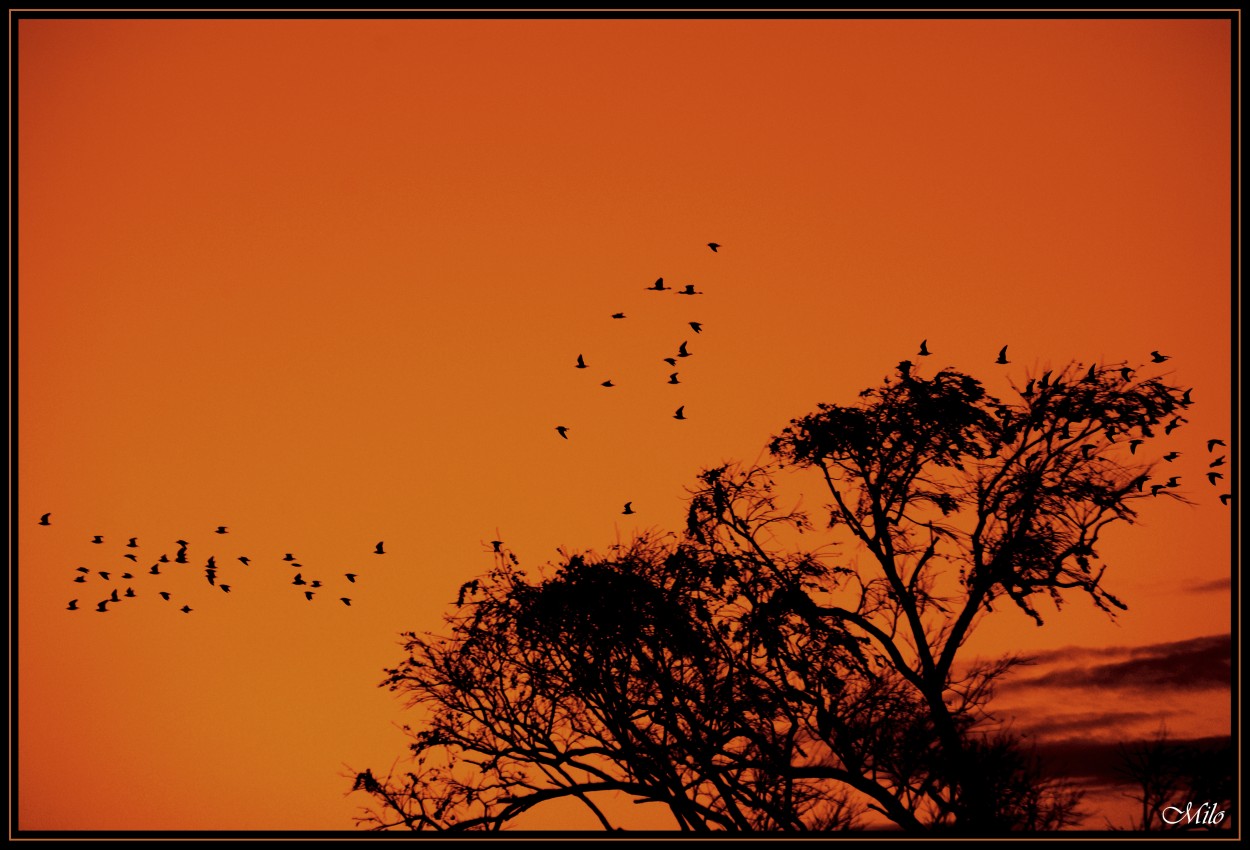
{"x": 748, "y": 682}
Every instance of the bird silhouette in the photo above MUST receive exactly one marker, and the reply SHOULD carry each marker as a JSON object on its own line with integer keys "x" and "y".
{"x": 288, "y": 557}
{"x": 563, "y": 431}
{"x": 672, "y": 361}
{"x": 1225, "y": 498}
{"x": 1028, "y": 389}
{"x": 681, "y": 350}
{"x": 378, "y": 550}
{"x": 689, "y": 290}
{"x": 104, "y": 574}
{"x": 182, "y": 543}
{"x": 345, "y": 601}
{"x": 315, "y": 583}
{"x": 1155, "y": 488}
{"x": 351, "y": 577}
{"x": 1002, "y": 356}
{"x": 672, "y": 379}
{"x": 1214, "y": 476}
{"x": 1133, "y": 444}
{"x": 186, "y": 609}
{"x": 713, "y": 246}
{"x": 1091, "y": 376}
{"x": 1174, "y": 481}
{"x": 181, "y": 557}
{"x": 212, "y": 562}
{"x": 607, "y": 383}
{"x": 133, "y": 544}
{"x": 114, "y": 597}
{"x": 130, "y": 592}
{"x": 98, "y": 539}
{"x": 45, "y": 519}
{"x": 308, "y": 594}
{"x": 1173, "y": 425}
{"x": 299, "y": 579}
{"x": 164, "y": 595}
{"x": 81, "y": 579}
{"x": 221, "y": 529}
{"x": 73, "y": 605}
{"x": 924, "y": 348}
{"x": 1141, "y": 482}
{"x": 497, "y": 545}
{"x": 1211, "y": 444}
{"x": 698, "y": 326}
{"x": 1156, "y": 357}
{"x": 211, "y": 575}
{"x": 127, "y": 575}
{"x": 1126, "y": 373}
{"x": 1186, "y": 401}
{"x": 1171, "y": 456}
{"x": 244, "y": 560}
{"x": 680, "y": 414}
{"x": 1219, "y": 461}
{"x": 132, "y": 557}
{"x": 82, "y": 569}
{"x": 581, "y": 364}
{"x": 164, "y": 559}
{"x": 618, "y": 315}
{"x": 103, "y": 607}
{"x": 225, "y": 587}
{"x": 1088, "y": 449}
{"x": 658, "y": 286}
{"x": 628, "y": 508}
{"x": 156, "y": 570}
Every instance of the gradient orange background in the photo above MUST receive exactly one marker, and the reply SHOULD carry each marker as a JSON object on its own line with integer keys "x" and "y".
{"x": 324, "y": 282}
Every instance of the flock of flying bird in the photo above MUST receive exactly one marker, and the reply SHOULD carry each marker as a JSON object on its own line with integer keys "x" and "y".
{"x": 697, "y": 327}
{"x": 112, "y": 578}
{"x": 211, "y": 568}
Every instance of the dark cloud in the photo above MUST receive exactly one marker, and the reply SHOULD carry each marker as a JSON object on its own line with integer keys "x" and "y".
{"x": 1090, "y": 723}
{"x": 1195, "y": 664}
{"x": 1219, "y": 584}
{"x": 1098, "y": 762}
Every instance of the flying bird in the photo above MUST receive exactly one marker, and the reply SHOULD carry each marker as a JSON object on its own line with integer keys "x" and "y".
{"x": 628, "y": 508}
{"x": 658, "y": 286}
{"x": 308, "y": 594}
{"x": 288, "y": 557}
{"x": 221, "y": 529}
{"x": 164, "y": 559}
{"x": 1126, "y": 373}
{"x": 497, "y": 545}
{"x": 244, "y": 560}
{"x": 681, "y": 350}
{"x": 211, "y": 575}
{"x": 1173, "y": 425}
{"x": 212, "y": 562}
{"x": 689, "y": 290}
{"x": 1156, "y": 357}
{"x": 672, "y": 379}
{"x": 73, "y": 605}
{"x": 103, "y": 607}
{"x": 99, "y": 538}
{"x": 1133, "y": 444}
{"x": 378, "y": 549}
{"x": 1002, "y": 356}
{"x": 713, "y": 246}
{"x": 105, "y": 575}
{"x": 127, "y": 575}
{"x": 156, "y": 570}
{"x": 1171, "y": 456}
{"x": 581, "y": 364}
{"x": 299, "y": 579}
{"x": 680, "y": 413}
{"x": 618, "y": 315}
{"x": 351, "y": 577}
{"x": 133, "y": 544}
{"x": 315, "y": 583}
{"x": 1186, "y": 401}
{"x": 114, "y": 597}
{"x": 563, "y": 431}
{"x": 132, "y": 557}
{"x": 672, "y": 361}
{"x": 1214, "y": 476}
{"x": 345, "y": 601}
{"x": 607, "y": 383}
{"x": 81, "y": 579}
{"x": 181, "y": 557}
{"x": 1225, "y": 497}
{"x": 1174, "y": 481}
{"x": 1211, "y": 444}
{"x": 1091, "y": 376}
{"x": 184, "y": 544}
{"x": 44, "y": 520}
{"x": 82, "y": 569}
{"x": 186, "y": 609}
{"x": 1219, "y": 461}
{"x": 698, "y": 326}
{"x": 924, "y": 348}
{"x": 225, "y": 587}
{"x": 1155, "y": 488}
{"x": 130, "y": 592}
{"x": 165, "y": 595}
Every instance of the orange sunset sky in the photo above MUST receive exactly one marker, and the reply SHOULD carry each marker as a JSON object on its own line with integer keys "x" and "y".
{"x": 324, "y": 282}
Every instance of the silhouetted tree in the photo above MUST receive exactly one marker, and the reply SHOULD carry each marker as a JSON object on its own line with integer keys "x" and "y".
{"x": 1176, "y": 776}
{"x": 749, "y": 683}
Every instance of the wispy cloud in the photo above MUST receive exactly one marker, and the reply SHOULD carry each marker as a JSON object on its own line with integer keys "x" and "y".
{"x": 1195, "y": 664}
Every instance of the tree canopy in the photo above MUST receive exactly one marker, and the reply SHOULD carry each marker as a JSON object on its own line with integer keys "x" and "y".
{"x": 769, "y": 668}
